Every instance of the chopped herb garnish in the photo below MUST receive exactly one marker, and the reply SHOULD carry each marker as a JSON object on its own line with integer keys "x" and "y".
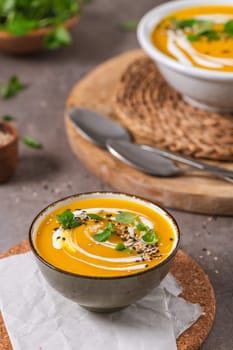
{"x": 95, "y": 217}
{"x": 195, "y": 29}
{"x": 105, "y": 234}
{"x": 11, "y": 87}
{"x": 68, "y": 220}
{"x": 193, "y": 37}
{"x": 212, "y": 35}
{"x": 29, "y": 141}
{"x": 58, "y": 38}
{"x": 141, "y": 227}
{"x": 120, "y": 246}
{"x": 129, "y": 26}
{"x": 8, "y": 118}
{"x": 18, "y": 17}
{"x": 150, "y": 237}
{"x": 186, "y": 23}
{"x": 125, "y": 218}
{"x": 228, "y": 27}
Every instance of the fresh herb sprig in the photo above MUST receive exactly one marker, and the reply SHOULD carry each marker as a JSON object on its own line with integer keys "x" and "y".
{"x": 125, "y": 218}
{"x": 105, "y": 234}
{"x": 121, "y": 246}
{"x": 68, "y": 220}
{"x": 7, "y": 118}
{"x": 150, "y": 235}
{"x": 18, "y": 17}
{"x": 31, "y": 142}
{"x": 95, "y": 216}
{"x": 129, "y": 26}
{"x": 195, "y": 29}
{"x": 11, "y": 87}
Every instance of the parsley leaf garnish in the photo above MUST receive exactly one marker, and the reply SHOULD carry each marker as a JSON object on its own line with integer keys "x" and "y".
{"x": 19, "y": 26}
{"x": 11, "y": 87}
{"x": 129, "y": 26}
{"x": 125, "y": 218}
{"x": 95, "y": 217}
{"x": 228, "y": 27}
{"x": 19, "y": 17}
{"x": 29, "y": 141}
{"x": 58, "y": 38}
{"x": 105, "y": 234}
{"x": 142, "y": 227}
{"x": 150, "y": 237}
{"x": 8, "y": 118}
{"x": 186, "y": 23}
{"x": 68, "y": 220}
{"x": 120, "y": 246}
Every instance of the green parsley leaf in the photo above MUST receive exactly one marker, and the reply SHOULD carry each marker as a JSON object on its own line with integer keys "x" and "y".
{"x": 120, "y": 246}
{"x": 7, "y": 5}
{"x": 228, "y": 27}
{"x": 193, "y": 37}
{"x": 11, "y": 87}
{"x": 8, "y": 118}
{"x": 150, "y": 237}
{"x": 19, "y": 26}
{"x": 105, "y": 234}
{"x": 186, "y": 23}
{"x": 29, "y": 141}
{"x": 142, "y": 227}
{"x": 212, "y": 35}
{"x": 58, "y": 38}
{"x": 125, "y": 218}
{"x": 68, "y": 220}
{"x": 129, "y": 26}
{"x": 95, "y": 217}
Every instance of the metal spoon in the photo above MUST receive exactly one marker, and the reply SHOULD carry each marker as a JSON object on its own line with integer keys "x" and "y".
{"x": 146, "y": 161}
{"x": 106, "y": 133}
{"x": 96, "y": 128}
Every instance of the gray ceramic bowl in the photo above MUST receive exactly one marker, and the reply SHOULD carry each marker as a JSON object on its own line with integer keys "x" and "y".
{"x": 206, "y": 89}
{"x": 102, "y": 294}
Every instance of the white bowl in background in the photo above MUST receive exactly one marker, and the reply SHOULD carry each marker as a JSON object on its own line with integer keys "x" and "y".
{"x": 206, "y": 89}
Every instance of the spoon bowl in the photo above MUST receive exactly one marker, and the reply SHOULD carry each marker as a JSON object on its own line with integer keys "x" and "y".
{"x": 96, "y": 128}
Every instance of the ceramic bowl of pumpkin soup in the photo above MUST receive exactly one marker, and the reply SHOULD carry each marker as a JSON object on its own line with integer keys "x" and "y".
{"x": 192, "y": 45}
{"x": 104, "y": 250}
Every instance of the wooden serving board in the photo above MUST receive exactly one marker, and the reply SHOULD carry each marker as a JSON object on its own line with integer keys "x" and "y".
{"x": 195, "y": 192}
{"x": 196, "y": 289}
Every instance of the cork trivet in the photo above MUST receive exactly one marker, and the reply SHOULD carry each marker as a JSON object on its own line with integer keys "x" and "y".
{"x": 157, "y": 115}
{"x": 196, "y": 289}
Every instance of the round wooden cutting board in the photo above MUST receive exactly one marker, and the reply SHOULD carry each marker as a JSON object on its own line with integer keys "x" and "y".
{"x": 196, "y": 289}
{"x": 194, "y": 191}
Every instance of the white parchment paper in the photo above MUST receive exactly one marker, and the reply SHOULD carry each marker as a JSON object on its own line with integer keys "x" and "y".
{"x": 39, "y": 318}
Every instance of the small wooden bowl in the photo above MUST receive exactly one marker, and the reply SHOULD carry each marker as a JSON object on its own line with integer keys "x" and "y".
{"x": 8, "y": 154}
{"x": 31, "y": 42}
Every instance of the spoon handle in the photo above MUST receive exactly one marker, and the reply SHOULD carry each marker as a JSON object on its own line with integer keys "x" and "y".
{"x": 219, "y": 172}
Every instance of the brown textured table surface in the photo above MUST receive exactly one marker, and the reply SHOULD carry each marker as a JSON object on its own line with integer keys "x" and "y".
{"x": 46, "y": 175}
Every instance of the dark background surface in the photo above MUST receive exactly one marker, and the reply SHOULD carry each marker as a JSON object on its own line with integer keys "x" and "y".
{"x": 49, "y": 174}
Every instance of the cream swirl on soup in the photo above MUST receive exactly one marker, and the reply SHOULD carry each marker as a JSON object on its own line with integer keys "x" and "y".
{"x": 108, "y": 240}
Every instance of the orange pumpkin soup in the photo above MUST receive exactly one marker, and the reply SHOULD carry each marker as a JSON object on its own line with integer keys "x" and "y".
{"x": 199, "y": 36}
{"x": 105, "y": 237}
